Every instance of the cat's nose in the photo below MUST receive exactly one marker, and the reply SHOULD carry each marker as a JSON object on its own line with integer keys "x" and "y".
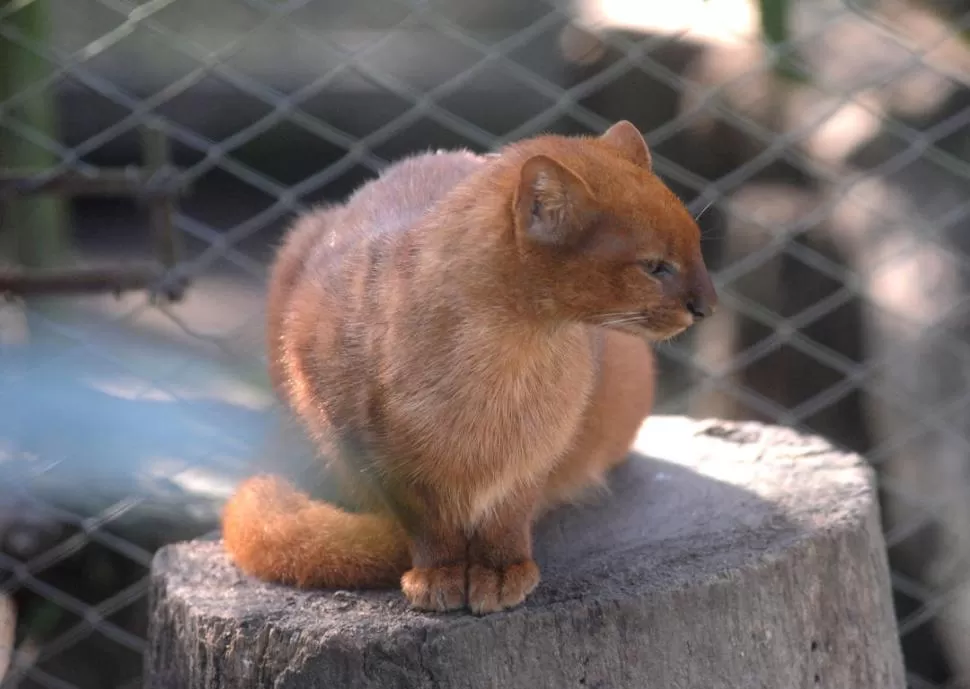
{"x": 699, "y": 307}
{"x": 701, "y": 296}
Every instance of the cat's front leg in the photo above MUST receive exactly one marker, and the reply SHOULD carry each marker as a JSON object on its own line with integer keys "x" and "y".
{"x": 437, "y": 579}
{"x": 501, "y": 570}
{"x": 487, "y": 566}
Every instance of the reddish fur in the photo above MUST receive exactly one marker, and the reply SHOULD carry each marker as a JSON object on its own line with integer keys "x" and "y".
{"x": 444, "y": 335}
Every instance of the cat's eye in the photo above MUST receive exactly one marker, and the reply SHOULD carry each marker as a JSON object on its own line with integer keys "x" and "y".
{"x": 658, "y": 269}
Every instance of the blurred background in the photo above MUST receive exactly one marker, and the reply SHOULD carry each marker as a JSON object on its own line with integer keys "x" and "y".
{"x": 152, "y": 152}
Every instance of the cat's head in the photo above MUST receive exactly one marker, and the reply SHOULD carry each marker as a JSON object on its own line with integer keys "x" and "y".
{"x": 603, "y": 240}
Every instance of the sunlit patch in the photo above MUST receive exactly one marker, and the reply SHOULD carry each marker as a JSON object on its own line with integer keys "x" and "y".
{"x": 222, "y": 389}
{"x": 717, "y": 21}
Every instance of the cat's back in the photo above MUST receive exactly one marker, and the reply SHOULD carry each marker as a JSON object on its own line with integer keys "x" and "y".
{"x": 407, "y": 189}
{"x": 324, "y": 244}
{"x": 329, "y": 264}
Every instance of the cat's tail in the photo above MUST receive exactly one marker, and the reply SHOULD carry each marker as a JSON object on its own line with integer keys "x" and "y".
{"x": 276, "y": 533}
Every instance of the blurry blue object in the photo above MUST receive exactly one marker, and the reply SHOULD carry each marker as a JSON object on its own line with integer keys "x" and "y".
{"x": 84, "y": 435}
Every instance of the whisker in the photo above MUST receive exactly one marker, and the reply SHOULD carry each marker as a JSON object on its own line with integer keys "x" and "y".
{"x": 621, "y": 321}
{"x": 619, "y": 314}
{"x": 705, "y": 209}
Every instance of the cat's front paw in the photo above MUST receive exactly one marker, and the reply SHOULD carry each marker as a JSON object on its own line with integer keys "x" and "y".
{"x": 493, "y": 589}
{"x": 437, "y": 589}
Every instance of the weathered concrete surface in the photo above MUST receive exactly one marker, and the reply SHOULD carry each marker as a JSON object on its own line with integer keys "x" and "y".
{"x": 729, "y": 555}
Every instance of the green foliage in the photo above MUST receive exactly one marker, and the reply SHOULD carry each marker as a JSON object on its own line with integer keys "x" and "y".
{"x": 33, "y": 230}
{"x": 774, "y": 28}
{"x": 774, "y": 15}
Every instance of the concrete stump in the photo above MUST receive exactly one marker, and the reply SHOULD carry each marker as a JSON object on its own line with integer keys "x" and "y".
{"x": 728, "y": 556}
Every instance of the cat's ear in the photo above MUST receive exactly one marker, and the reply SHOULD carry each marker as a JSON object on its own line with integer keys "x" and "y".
{"x": 553, "y": 204}
{"x": 628, "y": 141}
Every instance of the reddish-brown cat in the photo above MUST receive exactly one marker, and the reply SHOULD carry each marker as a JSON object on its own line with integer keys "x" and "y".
{"x": 466, "y": 340}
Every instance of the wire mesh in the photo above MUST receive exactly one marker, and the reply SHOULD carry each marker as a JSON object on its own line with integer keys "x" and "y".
{"x": 833, "y": 196}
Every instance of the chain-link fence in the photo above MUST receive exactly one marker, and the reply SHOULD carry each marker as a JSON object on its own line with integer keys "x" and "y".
{"x": 152, "y": 151}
